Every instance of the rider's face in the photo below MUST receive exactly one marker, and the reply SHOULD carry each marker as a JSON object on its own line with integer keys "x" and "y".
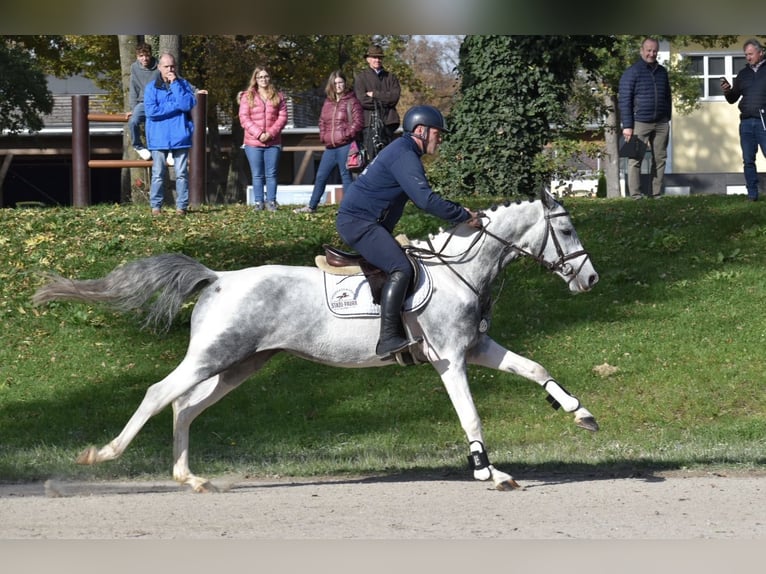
{"x": 434, "y": 140}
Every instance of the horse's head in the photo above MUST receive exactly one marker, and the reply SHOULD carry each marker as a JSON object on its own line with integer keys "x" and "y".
{"x": 559, "y": 249}
{"x": 543, "y": 231}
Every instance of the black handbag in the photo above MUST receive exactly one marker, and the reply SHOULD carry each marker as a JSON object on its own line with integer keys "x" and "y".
{"x": 635, "y": 148}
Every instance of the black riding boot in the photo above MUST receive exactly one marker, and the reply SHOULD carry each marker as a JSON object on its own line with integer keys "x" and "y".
{"x": 392, "y": 337}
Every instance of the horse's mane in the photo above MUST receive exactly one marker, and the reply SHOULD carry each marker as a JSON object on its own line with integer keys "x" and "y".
{"x": 493, "y": 207}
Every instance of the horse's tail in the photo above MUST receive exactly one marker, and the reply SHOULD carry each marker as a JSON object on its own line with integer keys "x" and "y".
{"x": 172, "y": 277}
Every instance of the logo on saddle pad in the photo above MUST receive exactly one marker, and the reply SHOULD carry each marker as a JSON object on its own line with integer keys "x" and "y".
{"x": 350, "y": 295}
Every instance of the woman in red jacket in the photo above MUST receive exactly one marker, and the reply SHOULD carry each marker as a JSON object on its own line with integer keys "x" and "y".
{"x": 263, "y": 116}
{"x": 341, "y": 120}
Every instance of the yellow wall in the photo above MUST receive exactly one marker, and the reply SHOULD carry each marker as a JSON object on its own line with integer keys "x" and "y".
{"x": 707, "y": 140}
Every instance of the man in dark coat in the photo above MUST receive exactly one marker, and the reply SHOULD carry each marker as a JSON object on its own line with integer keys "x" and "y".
{"x": 378, "y": 90}
{"x": 750, "y": 86}
{"x": 645, "y": 109}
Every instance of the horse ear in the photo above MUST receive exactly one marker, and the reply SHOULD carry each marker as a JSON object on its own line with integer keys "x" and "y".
{"x": 547, "y": 197}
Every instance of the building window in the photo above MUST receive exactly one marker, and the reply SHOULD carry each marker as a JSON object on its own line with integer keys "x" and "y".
{"x": 709, "y": 68}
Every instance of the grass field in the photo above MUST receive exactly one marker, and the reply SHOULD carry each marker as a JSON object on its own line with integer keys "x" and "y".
{"x": 666, "y": 352}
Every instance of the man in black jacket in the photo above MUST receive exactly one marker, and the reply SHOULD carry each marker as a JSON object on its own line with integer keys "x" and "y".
{"x": 750, "y": 85}
{"x": 378, "y": 90}
{"x": 645, "y": 109}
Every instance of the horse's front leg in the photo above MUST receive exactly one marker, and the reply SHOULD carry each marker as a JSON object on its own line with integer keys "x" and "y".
{"x": 488, "y": 353}
{"x": 455, "y": 379}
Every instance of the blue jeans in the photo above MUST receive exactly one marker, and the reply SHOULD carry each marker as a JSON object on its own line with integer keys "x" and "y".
{"x": 263, "y": 166}
{"x": 752, "y": 135}
{"x": 330, "y": 158}
{"x": 134, "y": 125}
{"x": 160, "y": 172}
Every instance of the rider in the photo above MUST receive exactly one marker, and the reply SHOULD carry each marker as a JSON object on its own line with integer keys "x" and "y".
{"x": 374, "y": 203}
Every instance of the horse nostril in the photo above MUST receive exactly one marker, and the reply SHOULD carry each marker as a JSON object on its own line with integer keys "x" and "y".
{"x": 593, "y": 279}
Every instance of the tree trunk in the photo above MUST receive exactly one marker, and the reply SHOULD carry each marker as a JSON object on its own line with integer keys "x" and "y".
{"x": 172, "y": 45}
{"x": 239, "y": 171}
{"x": 612, "y": 146}
{"x": 127, "y": 45}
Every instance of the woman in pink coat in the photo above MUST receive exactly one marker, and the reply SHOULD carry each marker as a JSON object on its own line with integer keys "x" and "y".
{"x": 340, "y": 123}
{"x": 263, "y": 116}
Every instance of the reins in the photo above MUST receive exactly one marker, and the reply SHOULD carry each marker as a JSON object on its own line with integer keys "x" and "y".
{"x": 561, "y": 264}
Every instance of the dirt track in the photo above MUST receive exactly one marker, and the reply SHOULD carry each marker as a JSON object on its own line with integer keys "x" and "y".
{"x": 670, "y": 506}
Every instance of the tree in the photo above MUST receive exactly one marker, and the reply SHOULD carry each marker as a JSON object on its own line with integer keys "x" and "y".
{"x": 24, "y": 94}
{"x": 513, "y": 89}
{"x": 433, "y": 63}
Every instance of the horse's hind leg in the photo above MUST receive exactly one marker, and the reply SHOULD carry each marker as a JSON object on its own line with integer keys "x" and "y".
{"x": 157, "y": 397}
{"x": 488, "y": 353}
{"x": 190, "y": 405}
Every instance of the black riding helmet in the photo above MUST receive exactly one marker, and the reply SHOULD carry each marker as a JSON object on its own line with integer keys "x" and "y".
{"x": 426, "y": 116}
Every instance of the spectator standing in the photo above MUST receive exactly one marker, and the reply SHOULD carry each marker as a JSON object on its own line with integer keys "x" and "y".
{"x": 340, "y": 122}
{"x": 263, "y": 116}
{"x": 645, "y": 110}
{"x": 378, "y": 90}
{"x": 168, "y": 101}
{"x": 750, "y": 89}
{"x": 143, "y": 71}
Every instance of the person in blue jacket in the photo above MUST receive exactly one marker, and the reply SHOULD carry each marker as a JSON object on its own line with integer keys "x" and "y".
{"x": 374, "y": 203}
{"x": 645, "y": 110}
{"x": 168, "y": 102}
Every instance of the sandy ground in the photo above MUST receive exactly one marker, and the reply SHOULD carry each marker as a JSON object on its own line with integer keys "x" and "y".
{"x": 676, "y": 506}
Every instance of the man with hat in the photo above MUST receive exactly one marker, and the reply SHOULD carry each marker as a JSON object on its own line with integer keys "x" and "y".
{"x": 378, "y": 90}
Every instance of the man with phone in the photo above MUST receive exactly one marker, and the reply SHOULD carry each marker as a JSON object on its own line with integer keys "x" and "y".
{"x": 645, "y": 110}
{"x": 750, "y": 89}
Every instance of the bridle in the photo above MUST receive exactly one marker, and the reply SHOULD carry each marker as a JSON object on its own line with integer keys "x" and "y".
{"x": 561, "y": 265}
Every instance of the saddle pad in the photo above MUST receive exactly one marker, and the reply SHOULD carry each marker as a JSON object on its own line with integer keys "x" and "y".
{"x": 350, "y": 295}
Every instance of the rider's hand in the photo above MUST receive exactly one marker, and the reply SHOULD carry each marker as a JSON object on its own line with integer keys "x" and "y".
{"x": 475, "y": 219}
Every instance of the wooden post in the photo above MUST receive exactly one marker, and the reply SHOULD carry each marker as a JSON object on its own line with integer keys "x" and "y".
{"x": 80, "y": 152}
{"x": 198, "y": 155}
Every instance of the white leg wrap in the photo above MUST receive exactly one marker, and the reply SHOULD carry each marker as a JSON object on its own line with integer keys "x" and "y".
{"x": 561, "y": 396}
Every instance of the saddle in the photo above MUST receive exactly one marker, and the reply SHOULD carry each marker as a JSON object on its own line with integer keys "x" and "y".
{"x": 338, "y": 262}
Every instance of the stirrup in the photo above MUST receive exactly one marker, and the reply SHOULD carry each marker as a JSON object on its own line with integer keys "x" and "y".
{"x": 405, "y": 344}
{"x": 404, "y": 355}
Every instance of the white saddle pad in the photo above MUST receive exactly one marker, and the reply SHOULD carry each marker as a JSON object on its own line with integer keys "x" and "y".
{"x": 350, "y": 295}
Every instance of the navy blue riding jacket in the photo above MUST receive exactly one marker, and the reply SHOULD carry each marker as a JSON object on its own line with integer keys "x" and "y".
{"x": 373, "y": 204}
{"x": 644, "y": 94}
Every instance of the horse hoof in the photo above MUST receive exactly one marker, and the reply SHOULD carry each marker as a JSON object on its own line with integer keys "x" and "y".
{"x": 588, "y": 423}
{"x": 506, "y": 485}
{"x": 204, "y": 487}
{"x": 88, "y": 456}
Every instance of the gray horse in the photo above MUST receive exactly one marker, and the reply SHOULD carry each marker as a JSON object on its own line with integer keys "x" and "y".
{"x": 243, "y": 318}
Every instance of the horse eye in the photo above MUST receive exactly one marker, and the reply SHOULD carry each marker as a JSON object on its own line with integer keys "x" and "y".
{"x": 567, "y": 232}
